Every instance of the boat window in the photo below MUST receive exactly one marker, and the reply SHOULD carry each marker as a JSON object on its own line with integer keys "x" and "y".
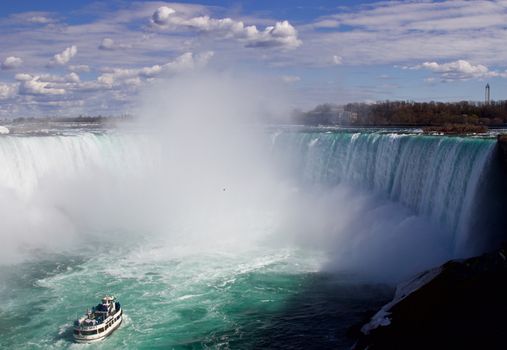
{"x": 76, "y": 331}
{"x": 88, "y": 332}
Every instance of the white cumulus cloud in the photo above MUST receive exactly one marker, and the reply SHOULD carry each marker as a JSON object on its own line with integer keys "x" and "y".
{"x": 133, "y": 76}
{"x": 12, "y": 62}
{"x": 64, "y": 57}
{"x": 23, "y": 77}
{"x": 282, "y": 34}
{"x": 107, "y": 44}
{"x": 39, "y": 20}
{"x": 37, "y": 85}
{"x": 459, "y": 70}
{"x": 33, "y": 17}
{"x": 161, "y": 15}
{"x": 110, "y": 44}
{"x": 7, "y": 91}
{"x": 73, "y": 77}
{"x": 337, "y": 60}
{"x": 69, "y": 78}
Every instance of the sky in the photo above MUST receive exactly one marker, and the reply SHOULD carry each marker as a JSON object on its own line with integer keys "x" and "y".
{"x": 85, "y": 57}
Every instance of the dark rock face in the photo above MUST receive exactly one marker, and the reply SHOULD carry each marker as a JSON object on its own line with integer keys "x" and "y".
{"x": 488, "y": 219}
{"x": 502, "y": 143}
{"x": 460, "y": 305}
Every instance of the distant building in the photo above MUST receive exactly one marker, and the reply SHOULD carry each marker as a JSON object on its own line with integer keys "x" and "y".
{"x": 347, "y": 117}
{"x": 487, "y": 97}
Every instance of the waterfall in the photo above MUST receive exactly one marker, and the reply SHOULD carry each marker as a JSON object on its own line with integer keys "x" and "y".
{"x": 445, "y": 179}
{"x": 28, "y": 160}
{"x": 437, "y": 177}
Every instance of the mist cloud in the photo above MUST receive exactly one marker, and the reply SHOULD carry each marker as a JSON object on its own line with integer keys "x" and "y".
{"x": 199, "y": 170}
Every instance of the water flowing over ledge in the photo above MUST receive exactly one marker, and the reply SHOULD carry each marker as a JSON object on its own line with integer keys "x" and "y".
{"x": 438, "y": 177}
{"x": 442, "y": 178}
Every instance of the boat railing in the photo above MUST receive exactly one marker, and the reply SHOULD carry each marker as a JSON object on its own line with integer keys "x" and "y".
{"x": 99, "y": 321}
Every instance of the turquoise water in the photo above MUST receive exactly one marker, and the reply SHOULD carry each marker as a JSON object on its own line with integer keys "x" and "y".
{"x": 174, "y": 299}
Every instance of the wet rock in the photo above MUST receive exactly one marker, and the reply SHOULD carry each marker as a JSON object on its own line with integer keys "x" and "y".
{"x": 459, "y": 305}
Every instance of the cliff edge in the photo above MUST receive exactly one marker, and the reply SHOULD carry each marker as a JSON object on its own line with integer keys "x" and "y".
{"x": 502, "y": 143}
{"x": 459, "y": 305}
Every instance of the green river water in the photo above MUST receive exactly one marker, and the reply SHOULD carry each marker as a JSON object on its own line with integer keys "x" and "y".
{"x": 175, "y": 299}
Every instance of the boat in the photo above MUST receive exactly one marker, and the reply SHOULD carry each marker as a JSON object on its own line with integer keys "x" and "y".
{"x": 99, "y": 322}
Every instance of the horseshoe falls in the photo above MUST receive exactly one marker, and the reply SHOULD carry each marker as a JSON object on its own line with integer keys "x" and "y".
{"x": 281, "y": 243}
{"x": 441, "y": 178}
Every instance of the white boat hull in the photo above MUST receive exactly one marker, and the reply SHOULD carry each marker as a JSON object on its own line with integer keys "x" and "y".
{"x": 99, "y": 332}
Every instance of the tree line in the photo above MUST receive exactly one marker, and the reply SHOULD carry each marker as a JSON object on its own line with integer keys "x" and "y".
{"x": 387, "y": 113}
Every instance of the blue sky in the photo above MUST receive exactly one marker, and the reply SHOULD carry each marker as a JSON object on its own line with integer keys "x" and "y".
{"x": 83, "y": 57}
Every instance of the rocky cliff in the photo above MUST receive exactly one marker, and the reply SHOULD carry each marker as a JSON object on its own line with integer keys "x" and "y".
{"x": 459, "y": 305}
